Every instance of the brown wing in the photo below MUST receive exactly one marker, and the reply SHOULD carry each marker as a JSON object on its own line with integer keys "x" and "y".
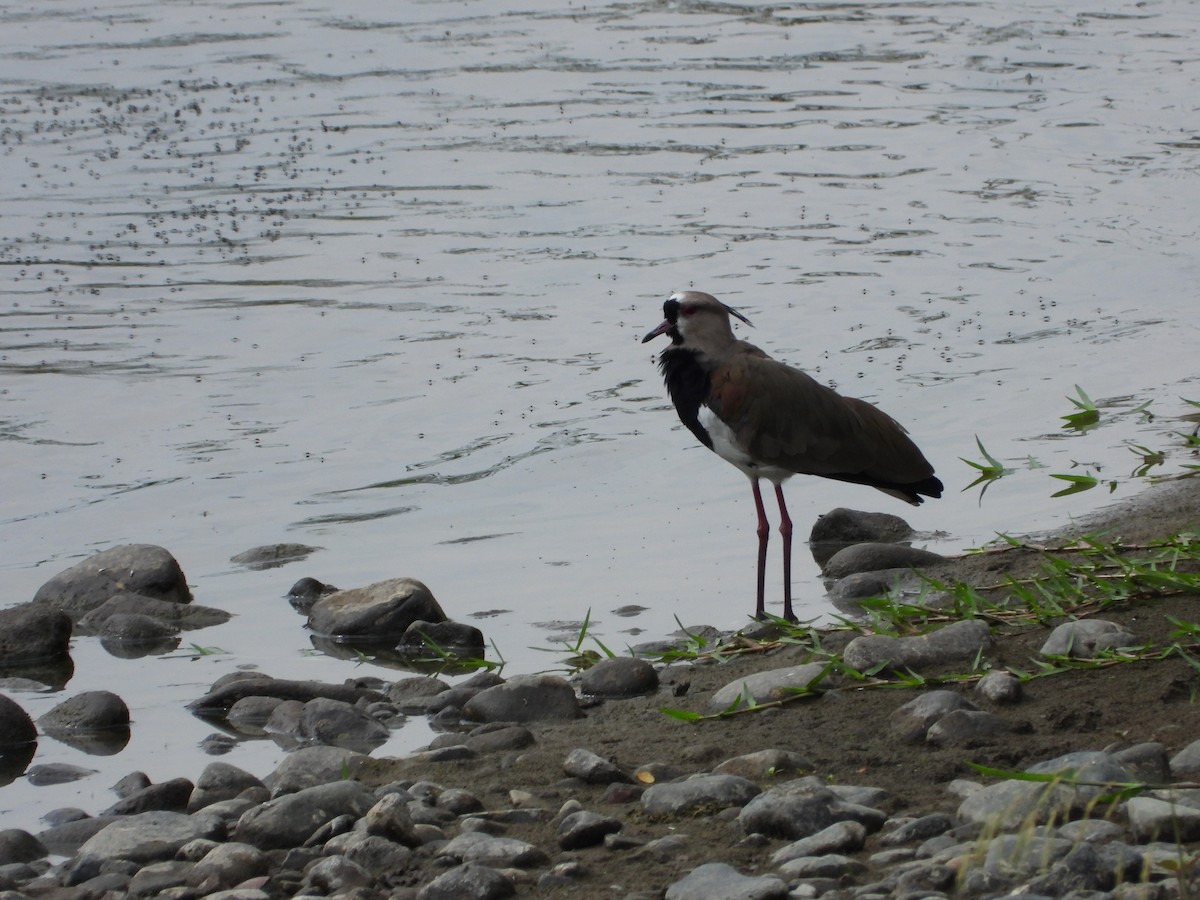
{"x": 784, "y": 418}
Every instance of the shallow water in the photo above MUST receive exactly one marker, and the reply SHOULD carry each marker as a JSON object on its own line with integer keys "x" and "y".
{"x": 375, "y": 280}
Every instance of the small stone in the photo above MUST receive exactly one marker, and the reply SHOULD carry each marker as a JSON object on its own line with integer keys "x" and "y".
{"x": 765, "y": 764}
{"x": 619, "y": 676}
{"x": 525, "y": 698}
{"x": 593, "y": 769}
{"x": 468, "y": 882}
{"x": 872, "y": 557}
{"x": 1086, "y": 638}
{"x": 854, "y": 526}
{"x": 999, "y": 687}
{"x": 699, "y": 791}
{"x": 88, "y": 711}
{"x": 585, "y": 829}
{"x": 771, "y": 685}
{"x": 721, "y": 880}
{"x": 912, "y": 721}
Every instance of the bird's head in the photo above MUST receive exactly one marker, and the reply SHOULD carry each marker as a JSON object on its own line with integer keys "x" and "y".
{"x": 697, "y": 319}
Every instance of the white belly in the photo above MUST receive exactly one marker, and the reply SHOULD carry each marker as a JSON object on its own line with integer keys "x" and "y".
{"x": 726, "y": 446}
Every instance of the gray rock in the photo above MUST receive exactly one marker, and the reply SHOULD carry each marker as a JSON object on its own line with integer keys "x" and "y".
{"x": 1008, "y": 805}
{"x": 840, "y": 837}
{"x": 998, "y": 687}
{"x": 489, "y": 739}
{"x": 468, "y": 882}
{"x": 33, "y": 633}
{"x": 1015, "y": 857}
{"x": 1186, "y": 763}
{"x": 88, "y": 711}
{"x": 17, "y": 846}
{"x": 1147, "y": 760}
{"x": 307, "y": 591}
{"x": 1086, "y": 869}
{"x": 271, "y": 556}
{"x": 185, "y": 616}
{"x": 873, "y": 557}
{"x": 831, "y": 865}
{"x": 477, "y": 847}
{"x": 854, "y": 526}
{"x": 765, "y": 764}
{"x": 587, "y": 766}
{"x": 859, "y": 585}
{"x": 227, "y": 865}
{"x": 222, "y": 695}
{"x": 380, "y": 612}
{"x": 919, "y": 829}
{"x": 290, "y": 820}
{"x": 965, "y": 728}
{"x": 525, "y": 698}
{"x": 250, "y": 715}
{"x": 801, "y": 808}
{"x": 411, "y": 695}
{"x": 167, "y": 795}
{"x": 1086, "y": 638}
{"x": 16, "y": 727}
{"x": 912, "y": 721}
{"x": 220, "y": 781}
{"x": 699, "y": 791}
{"x": 54, "y": 773}
{"x": 454, "y": 638}
{"x": 336, "y": 723}
{"x": 619, "y": 676}
{"x": 1154, "y": 819}
{"x": 136, "y": 568}
{"x": 390, "y": 818}
{"x": 585, "y": 829}
{"x": 147, "y": 837}
{"x": 155, "y": 879}
{"x": 373, "y": 852}
{"x": 721, "y": 881}
{"x": 66, "y": 838}
{"x": 334, "y": 876}
{"x": 136, "y": 629}
{"x": 769, "y": 686}
{"x": 959, "y": 640}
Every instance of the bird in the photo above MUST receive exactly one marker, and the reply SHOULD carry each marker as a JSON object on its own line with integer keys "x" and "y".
{"x": 773, "y": 421}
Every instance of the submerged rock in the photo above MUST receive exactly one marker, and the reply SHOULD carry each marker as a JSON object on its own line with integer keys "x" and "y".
{"x": 33, "y": 633}
{"x": 379, "y": 613}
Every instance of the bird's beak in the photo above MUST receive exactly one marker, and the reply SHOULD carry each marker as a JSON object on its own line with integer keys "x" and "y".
{"x": 663, "y": 328}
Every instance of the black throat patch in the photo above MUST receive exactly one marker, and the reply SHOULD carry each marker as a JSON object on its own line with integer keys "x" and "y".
{"x": 688, "y": 384}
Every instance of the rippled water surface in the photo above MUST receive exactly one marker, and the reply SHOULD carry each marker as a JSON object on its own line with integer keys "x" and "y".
{"x": 372, "y": 278}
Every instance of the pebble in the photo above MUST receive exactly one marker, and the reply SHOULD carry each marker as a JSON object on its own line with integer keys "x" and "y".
{"x": 716, "y": 879}
{"x": 714, "y": 791}
{"x": 525, "y": 698}
{"x": 770, "y": 685}
{"x": 1087, "y": 638}
{"x": 619, "y": 676}
{"x": 875, "y": 556}
{"x": 380, "y": 612}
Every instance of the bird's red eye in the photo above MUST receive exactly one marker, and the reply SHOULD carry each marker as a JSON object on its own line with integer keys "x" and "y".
{"x": 688, "y": 310}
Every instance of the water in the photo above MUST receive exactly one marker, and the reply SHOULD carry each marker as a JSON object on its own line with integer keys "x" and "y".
{"x": 374, "y": 280}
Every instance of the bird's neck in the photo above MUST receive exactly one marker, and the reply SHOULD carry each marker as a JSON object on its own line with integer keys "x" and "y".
{"x": 687, "y": 380}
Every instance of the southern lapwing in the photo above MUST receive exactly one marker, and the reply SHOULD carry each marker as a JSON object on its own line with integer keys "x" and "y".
{"x": 773, "y": 421}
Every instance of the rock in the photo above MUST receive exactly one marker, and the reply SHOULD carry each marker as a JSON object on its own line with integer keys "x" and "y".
{"x": 832, "y": 865}
{"x": 998, "y": 687}
{"x": 619, "y": 676}
{"x": 765, "y": 764}
{"x": 1154, "y": 819}
{"x": 801, "y": 808}
{"x": 170, "y": 795}
{"x": 17, "y": 846}
{"x": 721, "y": 881}
{"x": 585, "y": 829}
{"x": 33, "y": 633}
{"x": 959, "y": 640}
{"x": 271, "y": 556}
{"x": 227, "y": 865}
{"x": 147, "y": 837}
{"x": 859, "y": 585}
{"x": 53, "y": 773}
{"x": 1014, "y": 857}
{"x": 468, "y": 882}
{"x": 378, "y": 855}
{"x": 307, "y": 591}
{"x": 965, "y": 728}
{"x": 873, "y": 557}
{"x": 155, "y": 879}
{"x": 840, "y": 837}
{"x": 1008, "y": 805}
{"x": 334, "y": 876}
{"x": 477, "y": 847}
{"x": 587, "y": 766}
{"x": 411, "y": 695}
{"x": 336, "y": 723}
{"x": 185, "y": 616}
{"x": 489, "y": 739}
{"x": 422, "y": 639}
{"x": 770, "y": 686}
{"x": 133, "y": 628}
{"x": 1147, "y": 761}
{"x": 390, "y": 818}
{"x": 525, "y": 698}
{"x": 312, "y": 766}
{"x": 380, "y": 612}
{"x": 912, "y": 721}
{"x": 853, "y": 526}
{"x": 1186, "y": 763}
{"x": 1086, "y": 638}
{"x": 88, "y": 711}
{"x": 136, "y": 568}
{"x": 1086, "y": 869}
{"x": 713, "y": 792}
{"x": 222, "y": 695}
{"x": 919, "y": 829}
{"x": 16, "y": 727}
{"x": 290, "y": 820}
{"x": 220, "y": 781}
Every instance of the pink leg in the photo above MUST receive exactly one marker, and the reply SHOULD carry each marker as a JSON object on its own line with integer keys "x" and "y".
{"x": 785, "y": 529}
{"x": 764, "y": 532}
